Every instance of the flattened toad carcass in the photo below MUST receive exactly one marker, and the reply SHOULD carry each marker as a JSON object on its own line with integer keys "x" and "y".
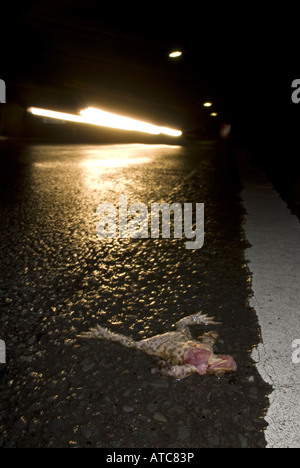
{"x": 181, "y": 355}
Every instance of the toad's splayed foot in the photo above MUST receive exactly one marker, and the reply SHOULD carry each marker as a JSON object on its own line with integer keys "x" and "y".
{"x": 180, "y": 354}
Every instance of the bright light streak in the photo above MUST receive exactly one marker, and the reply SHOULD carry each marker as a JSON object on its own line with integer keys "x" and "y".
{"x": 103, "y": 118}
{"x": 55, "y": 115}
{"x": 175, "y": 54}
{"x": 207, "y": 104}
{"x": 106, "y": 119}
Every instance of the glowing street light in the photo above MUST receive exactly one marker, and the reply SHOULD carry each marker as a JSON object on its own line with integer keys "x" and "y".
{"x": 207, "y": 104}
{"x": 175, "y": 54}
{"x": 214, "y": 114}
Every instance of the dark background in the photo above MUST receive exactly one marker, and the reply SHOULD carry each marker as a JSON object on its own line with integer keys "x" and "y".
{"x": 66, "y": 54}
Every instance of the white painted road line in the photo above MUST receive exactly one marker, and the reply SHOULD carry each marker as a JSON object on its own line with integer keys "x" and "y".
{"x": 274, "y": 235}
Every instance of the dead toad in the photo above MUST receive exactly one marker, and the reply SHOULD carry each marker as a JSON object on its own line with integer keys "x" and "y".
{"x": 181, "y": 355}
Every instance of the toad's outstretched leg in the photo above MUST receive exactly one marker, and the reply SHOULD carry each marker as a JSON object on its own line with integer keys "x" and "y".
{"x": 195, "y": 319}
{"x": 154, "y": 346}
{"x": 177, "y": 371}
{"x": 104, "y": 334}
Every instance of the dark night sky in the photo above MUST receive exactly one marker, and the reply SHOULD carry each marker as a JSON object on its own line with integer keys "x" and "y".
{"x": 71, "y": 53}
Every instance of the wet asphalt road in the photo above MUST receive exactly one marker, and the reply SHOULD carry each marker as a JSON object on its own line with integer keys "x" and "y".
{"x": 59, "y": 279}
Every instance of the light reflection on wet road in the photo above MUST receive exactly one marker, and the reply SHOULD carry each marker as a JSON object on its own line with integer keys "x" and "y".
{"x": 58, "y": 279}
{"x": 53, "y": 204}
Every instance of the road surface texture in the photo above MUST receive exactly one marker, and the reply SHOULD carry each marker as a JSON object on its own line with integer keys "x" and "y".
{"x": 274, "y": 261}
{"x": 59, "y": 279}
